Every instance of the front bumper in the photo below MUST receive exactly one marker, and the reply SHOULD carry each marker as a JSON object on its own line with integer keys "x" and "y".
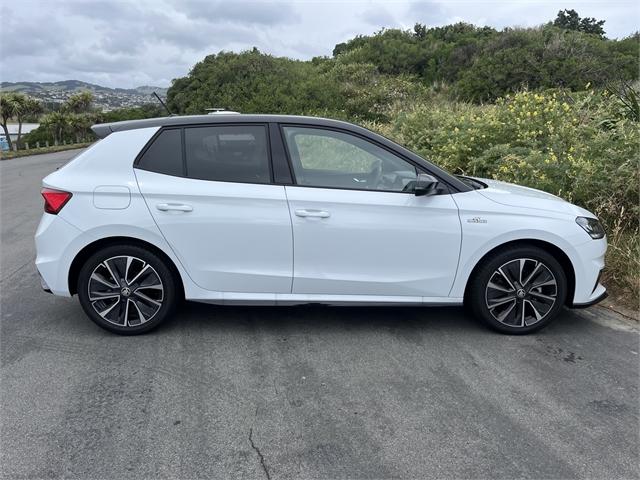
{"x": 597, "y": 299}
{"x": 588, "y": 265}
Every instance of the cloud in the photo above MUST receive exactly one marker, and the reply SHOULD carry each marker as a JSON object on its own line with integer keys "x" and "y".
{"x": 244, "y": 12}
{"x": 196, "y": 34}
{"x": 378, "y": 17}
{"x": 428, "y": 13}
{"x": 125, "y": 43}
{"x": 26, "y": 36}
{"x": 105, "y": 11}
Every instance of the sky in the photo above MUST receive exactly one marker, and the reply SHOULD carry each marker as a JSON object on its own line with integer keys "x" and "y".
{"x": 128, "y": 43}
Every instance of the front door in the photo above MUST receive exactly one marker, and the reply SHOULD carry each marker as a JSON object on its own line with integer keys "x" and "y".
{"x": 358, "y": 230}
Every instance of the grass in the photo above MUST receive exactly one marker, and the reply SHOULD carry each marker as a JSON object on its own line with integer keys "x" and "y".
{"x": 38, "y": 151}
{"x": 622, "y": 265}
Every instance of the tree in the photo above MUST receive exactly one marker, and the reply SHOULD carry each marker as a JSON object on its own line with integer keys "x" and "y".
{"x": 420, "y": 31}
{"x": 57, "y": 123}
{"x": 71, "y": 122}
{"x": 79, "y": 124}
{"x": 9, "y": 105}
{"x": 148, "y": 110}
{"x": 28, "y": 107}
{"x": 570, "y": 20}
{"x": 14, "y": 105}
{"x": 79, "y": 102}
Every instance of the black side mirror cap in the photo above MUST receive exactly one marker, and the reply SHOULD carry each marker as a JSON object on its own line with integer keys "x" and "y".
{"x": 425, "y": 185}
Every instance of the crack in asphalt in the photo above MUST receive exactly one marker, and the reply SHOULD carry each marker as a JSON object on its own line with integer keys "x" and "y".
{"x": 262, "y": 461}
{"x": 8, "y": 276}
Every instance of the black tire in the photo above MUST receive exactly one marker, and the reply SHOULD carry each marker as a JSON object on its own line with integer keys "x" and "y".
{"x": 528, "y": 311}
{"x": 139, "y": 300}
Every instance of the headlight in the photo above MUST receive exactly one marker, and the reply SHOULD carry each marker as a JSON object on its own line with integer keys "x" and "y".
{"x": 592, "y": 226}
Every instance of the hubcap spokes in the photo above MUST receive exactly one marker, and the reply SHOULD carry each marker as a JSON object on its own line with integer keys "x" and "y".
{"x": 125, "y": 291}
{"x": 521, "y": 292}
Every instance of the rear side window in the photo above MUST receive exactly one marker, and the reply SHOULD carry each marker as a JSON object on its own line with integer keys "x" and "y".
{"x": 237, "y": 153}
{"x": 164, "y": 155}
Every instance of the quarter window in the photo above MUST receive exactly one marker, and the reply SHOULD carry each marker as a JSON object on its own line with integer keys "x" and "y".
{"x": 164, "y": 155}
{"x": 328, "y": 158}
{"x": 237, "y": 153}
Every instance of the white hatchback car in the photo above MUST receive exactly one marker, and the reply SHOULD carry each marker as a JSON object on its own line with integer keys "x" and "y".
{"x": 281, "y": 210}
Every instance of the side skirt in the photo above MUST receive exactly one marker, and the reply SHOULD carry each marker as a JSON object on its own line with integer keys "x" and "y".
{"x": 239, "y": 298}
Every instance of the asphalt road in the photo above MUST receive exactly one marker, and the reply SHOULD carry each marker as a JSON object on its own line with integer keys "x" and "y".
{"x": 301, "y": 392}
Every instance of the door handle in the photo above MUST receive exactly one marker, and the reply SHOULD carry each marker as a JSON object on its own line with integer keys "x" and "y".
{"x": 177, "y": 207}
{"x": 312, "y": 213}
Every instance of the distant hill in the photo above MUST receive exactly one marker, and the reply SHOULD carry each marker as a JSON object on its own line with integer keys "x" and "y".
{"x": 75, "y": 86}
{"x": 105, "y": 97}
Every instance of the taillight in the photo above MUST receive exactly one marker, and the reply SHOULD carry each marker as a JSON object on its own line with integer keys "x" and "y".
{"x": 54, "y": 200}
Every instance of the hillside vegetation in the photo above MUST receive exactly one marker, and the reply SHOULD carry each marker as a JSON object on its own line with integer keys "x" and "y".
{"x": 471, "y": 64}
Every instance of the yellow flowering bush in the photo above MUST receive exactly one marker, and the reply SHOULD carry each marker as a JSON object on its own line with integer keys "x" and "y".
{"x": 552, "y": 140}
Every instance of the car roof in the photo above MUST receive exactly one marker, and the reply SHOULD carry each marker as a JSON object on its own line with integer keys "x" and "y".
{"x": 104, "y": 129}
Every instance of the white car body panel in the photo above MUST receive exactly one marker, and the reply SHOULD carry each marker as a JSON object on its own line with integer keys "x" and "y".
{"x": 498, "y": 226}
{"x": 244, "y": 243}
{"x": 519, "y": 196}
{"x": 373, "y": 243}
{"x": 236, "y": 238}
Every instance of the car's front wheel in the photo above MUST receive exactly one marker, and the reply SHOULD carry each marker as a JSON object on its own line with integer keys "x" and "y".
{"x": 518, "y": 290}
{"x": 126, "y": 289}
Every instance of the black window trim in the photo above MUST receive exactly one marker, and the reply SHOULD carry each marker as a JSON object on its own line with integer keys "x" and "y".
{"x": 185, "y": 172}
{"x": 276, "y": 139}
{"x": 419, "y": 168}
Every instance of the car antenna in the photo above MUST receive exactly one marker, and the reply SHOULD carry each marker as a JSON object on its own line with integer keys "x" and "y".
{"x": 164, "y": 105}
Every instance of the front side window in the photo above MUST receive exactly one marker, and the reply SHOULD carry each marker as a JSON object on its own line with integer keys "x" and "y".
{"x": 164, "y": 155}
{"x": 235, "y": 153}
{"x": 328, "y": 158}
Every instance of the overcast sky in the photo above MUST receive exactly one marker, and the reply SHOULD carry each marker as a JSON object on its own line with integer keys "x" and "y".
{"x": 127, "y": 43}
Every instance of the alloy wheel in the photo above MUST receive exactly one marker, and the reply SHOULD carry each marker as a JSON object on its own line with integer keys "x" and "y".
{"x": 125, "y": 291}
{"x": 521, "y": 292}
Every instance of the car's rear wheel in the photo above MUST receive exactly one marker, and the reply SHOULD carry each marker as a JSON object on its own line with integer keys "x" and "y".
{"x": 518, "y": 290}
{"x": 126, "y": 289}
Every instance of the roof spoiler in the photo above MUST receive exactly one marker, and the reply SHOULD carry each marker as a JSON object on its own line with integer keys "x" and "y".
{"x": 102, "y": 129}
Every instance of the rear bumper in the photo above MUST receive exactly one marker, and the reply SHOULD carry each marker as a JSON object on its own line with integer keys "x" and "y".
{"x": 43, "y": 284}
{"x": 55, "y": 239}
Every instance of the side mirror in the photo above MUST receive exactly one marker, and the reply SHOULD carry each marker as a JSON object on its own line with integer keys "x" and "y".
{"x": 425, "y": 185}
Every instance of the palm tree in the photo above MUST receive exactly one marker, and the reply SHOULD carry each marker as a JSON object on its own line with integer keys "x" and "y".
{"x": 79, "y": 124}
{"x": 19, "y": 107}
{"x": 79, "y": 102}
{"x": 28, "y": 107}
{"x": 10, "y": 104}
{"x": 57, "y": 123}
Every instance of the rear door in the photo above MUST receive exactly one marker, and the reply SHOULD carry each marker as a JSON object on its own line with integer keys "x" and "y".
{"x": 209, "y": 189}
{"x": 358, "y": 229}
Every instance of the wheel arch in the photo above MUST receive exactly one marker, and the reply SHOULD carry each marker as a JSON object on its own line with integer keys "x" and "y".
{"x": 553, "y": 250}
{"x": 88, "y": 250}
